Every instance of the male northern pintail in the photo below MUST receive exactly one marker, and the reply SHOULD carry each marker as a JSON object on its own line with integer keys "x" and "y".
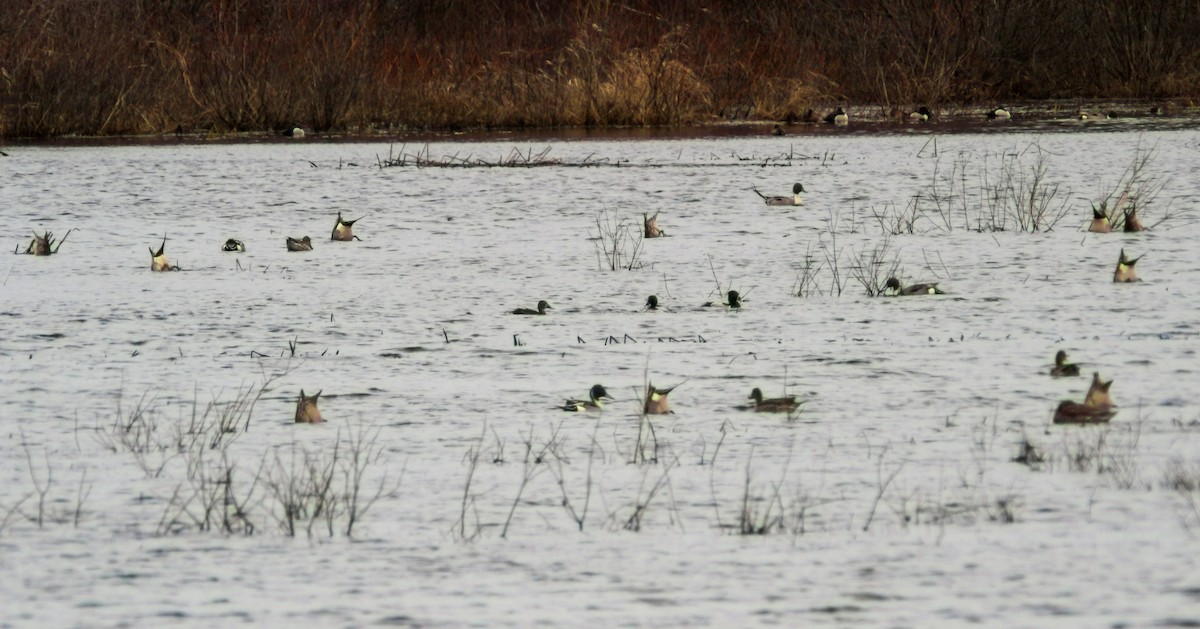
{"x": 1125, "y": 271}
{"x": 342, "y": 230}
{"x": 159, "y": 260}
{"x": 656, "y": 400}
{"x": 795, "y": 199}
{"x": 893, "y": 288}
{"x": 838, "y": 118}
{"x": 593, "y": 403}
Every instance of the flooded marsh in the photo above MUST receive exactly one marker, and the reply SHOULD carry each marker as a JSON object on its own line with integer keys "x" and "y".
{"x": 153, "y": 470}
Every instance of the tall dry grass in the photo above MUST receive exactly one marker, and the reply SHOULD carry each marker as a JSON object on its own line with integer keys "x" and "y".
{"x": 131, "y": 66}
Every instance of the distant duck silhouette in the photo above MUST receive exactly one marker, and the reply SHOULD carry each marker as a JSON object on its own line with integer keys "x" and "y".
{"x": 838, "y": 118}
{"x": 999, "y": 113}
{"x": 1125, "y": 271}
{"x": 651, "y": 303}
{"x": 542, "y": 307}
{"x": 920, "y": 115}
{"x": 656, "y": 400}
{"x": 1100, "y": 224}
{"x": 1096, "y": 407}
{"x": 650, "y": 227}
{"x": 299, "y": 244}
{"x": 1132, "y": 223}
{"x": 306, "y": 409}
{"x": 732, "y": 300}
{"x": 893, "y": 288}
{"x": 784, "y": 404}
{"x": 234, "y": 245}
{"x": 795, "y": 199}
{"x": 1062, "y": 367}
{"x": 159, "y": 260}
{"x": 294, "y": 132}
{"x": 593, "y": 403}
{"x": 778, "y": 130}
{"x": 342, "y": 230}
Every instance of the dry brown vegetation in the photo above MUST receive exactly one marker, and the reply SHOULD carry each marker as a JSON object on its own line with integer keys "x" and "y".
{"x": 134, "y": 66}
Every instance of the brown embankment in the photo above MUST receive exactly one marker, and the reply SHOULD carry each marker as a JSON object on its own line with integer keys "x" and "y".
{"x": 113, "y": 67}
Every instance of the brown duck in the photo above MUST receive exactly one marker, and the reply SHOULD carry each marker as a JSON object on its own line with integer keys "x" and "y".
{"x": 1095, "y": 409}
{"x": 306, "y": 409}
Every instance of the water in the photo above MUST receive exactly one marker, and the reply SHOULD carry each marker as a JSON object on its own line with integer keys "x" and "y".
{"x": 408, "y": 336}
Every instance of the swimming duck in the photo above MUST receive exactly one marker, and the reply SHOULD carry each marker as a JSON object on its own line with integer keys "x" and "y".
{"x": 778, "y": 130}
{"x": 1125, "y": 271}
{"x": 306, "y": 409}
{"x": 542, "y": 307}
{"x": 1132, "y": 223}
{"x": 651, "y": 303}
{"x": 299, "y": 244}
{"x": 593, "y": 402}
{"x": 795, "y": 199}
{"x": 999, "y": 113}
{"x": 159, "y": 261}
{"x": 784, "y": 404}
{"x": 656, "y": 400}
{"x": 838, "y": 118}
{"x": 1100, "y": 223}
{"x": 650, "y": 226}
{"x": 342, "y": 229}
{"x": 1062, "y": 367}
{"x": 732, "y": 300}
{"x": 234, "y": 245}
{"x": 893, "y": 288}
{"x": 1096, "y": 407}
{"x": 920, "y": 115}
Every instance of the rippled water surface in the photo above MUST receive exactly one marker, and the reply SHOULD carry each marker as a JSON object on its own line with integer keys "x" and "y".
{"x": 892, "y": 499}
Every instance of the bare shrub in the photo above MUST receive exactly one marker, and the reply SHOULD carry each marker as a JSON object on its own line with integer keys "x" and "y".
{"x": 873, "y": 267}
{"x": 618, "y": 242}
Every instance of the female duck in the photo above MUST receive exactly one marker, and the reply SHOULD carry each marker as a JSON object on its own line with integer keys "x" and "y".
{"x": 785, "y": 404}
{"x": 1062, "y": 367}
{"x": 542, "y": 307}
{"x": 306, "y": 409}
{"x": 1096, "y": 407}
{"x": 299, "y": 244}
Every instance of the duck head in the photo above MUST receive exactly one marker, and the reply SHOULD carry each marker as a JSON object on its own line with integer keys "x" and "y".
{"x": 734, "y": 300}
{"x": 652, "y": 302}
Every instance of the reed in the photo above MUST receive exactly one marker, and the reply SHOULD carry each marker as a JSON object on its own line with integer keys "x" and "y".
{"x": 104, "y": 68}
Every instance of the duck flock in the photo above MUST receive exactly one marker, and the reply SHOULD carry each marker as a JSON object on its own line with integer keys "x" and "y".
{"x": 1097, "y": 406}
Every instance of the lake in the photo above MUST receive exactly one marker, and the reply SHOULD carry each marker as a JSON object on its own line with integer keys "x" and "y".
{"x": 153, "y": 474}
